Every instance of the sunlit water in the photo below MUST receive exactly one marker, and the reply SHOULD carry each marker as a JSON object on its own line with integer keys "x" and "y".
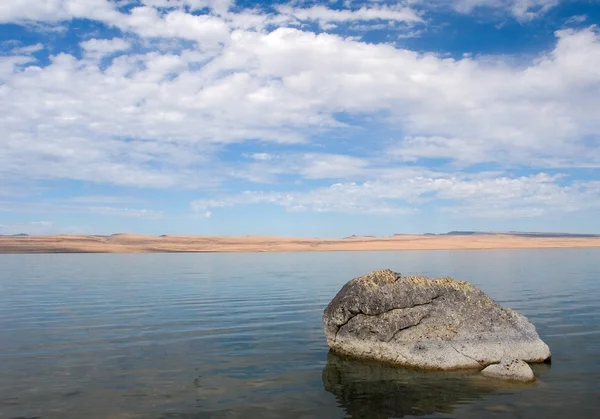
{"x": 240, "y": 336}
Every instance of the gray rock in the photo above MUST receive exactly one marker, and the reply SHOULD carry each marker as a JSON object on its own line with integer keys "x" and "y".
{"x": 510, "y": 369}
{"x": 433, "y": 323}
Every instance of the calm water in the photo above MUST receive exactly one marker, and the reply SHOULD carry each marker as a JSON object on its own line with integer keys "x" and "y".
{"x": 240, "y": 336}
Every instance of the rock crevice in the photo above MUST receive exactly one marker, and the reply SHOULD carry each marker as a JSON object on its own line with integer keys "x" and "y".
{"x": 467, "y": 356}
{"x": 400, "y": 310}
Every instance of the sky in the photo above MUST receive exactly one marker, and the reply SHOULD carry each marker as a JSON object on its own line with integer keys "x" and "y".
{"x": 299, "y": 118}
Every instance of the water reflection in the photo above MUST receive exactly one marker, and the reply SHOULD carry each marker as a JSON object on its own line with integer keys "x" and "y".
{"x": 238, "y": 336}
{"x": 375, "y": 391}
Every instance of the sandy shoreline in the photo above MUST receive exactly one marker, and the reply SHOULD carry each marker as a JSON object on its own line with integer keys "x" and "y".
{"x": 129, "y": 243}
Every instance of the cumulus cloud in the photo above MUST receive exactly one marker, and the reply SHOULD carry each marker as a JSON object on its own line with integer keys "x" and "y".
{"x": 154, "y": 119}
{"x": 342, "y": 198}
{"x": 161, "y": 118}
{"x": 325, "y": 16}
{"x": 56, "y": 10}
{"x": 464, "y": 196}
{"x": 98, "y": 48}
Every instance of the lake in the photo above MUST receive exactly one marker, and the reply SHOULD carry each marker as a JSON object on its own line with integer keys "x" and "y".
{"x": 240, "y": 336}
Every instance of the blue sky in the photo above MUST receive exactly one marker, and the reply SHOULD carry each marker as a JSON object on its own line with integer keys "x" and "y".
{"x": 299, "y": 118}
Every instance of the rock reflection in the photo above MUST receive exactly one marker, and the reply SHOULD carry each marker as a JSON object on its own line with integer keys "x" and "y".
{"x": 376, "y": 391}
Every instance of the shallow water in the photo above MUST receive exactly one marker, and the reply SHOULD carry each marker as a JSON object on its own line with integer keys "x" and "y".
{"x": 240, "y": 336}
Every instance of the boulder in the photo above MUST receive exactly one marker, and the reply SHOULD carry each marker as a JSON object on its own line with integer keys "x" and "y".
{"x": 432, "y": 323}
{"x": 510, "y": 369}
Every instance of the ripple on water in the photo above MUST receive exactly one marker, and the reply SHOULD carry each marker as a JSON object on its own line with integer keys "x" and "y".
{"x": 239, "y": 336}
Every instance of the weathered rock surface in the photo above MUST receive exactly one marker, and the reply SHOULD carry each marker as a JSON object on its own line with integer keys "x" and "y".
{"x": 510, "y": 369}
{"x": 433, "y": 323}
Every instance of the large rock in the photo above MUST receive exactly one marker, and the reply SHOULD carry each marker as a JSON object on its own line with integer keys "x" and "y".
{"x": 433, "y": 323}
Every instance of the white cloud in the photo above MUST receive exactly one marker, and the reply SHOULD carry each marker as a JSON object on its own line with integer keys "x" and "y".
{"x": 102, "y": 199}
{"x": 464, "y": 196}
{"x": 169, "y": 18}
{"x": 27, "y": 50}
{"x": 55, "y": 10}
{"x": 98, "y": 48}
{"x": 149, "y": 22}
{"x": 326, "y": 16}
{"x": 520, "y": 9}
{"x": 8, "y": 65}
{"x": 265, "y": 167}
{"x": 342, "y": 198}
{"x": 50, "y": 207}
{"x": 530, "y": 196}
{"x": 122, "y": 212}
{"x": 156, "y": 119}
{"x": 159, "y": 119}
{"x": 530, "y": 9}
{"x": 415, "y": 148}
{"x": 145, "y": 21}
{"x": 577, "y": 19}
{"x": 218, "y": 6}
{"x": 261, "y": 156}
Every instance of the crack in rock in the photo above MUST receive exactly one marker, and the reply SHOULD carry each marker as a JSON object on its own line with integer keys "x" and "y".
{"x": 407, "y": 327}
{"x": 465, "y": 355}
{"x": 354, "y": 314}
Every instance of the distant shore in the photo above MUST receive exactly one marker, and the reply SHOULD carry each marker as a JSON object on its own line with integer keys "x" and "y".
{"x": 130, "y": 243}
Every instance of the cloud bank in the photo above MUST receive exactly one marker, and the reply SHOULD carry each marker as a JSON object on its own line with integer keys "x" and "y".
{"x": 200, "y": 95}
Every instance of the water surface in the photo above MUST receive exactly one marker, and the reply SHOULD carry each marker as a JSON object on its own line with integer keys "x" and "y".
{"x": 240, "y": 336}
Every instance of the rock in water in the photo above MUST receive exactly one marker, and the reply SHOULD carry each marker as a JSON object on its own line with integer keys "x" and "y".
{"x": 433, "y": 323}
{"x": 510, "y": 369}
